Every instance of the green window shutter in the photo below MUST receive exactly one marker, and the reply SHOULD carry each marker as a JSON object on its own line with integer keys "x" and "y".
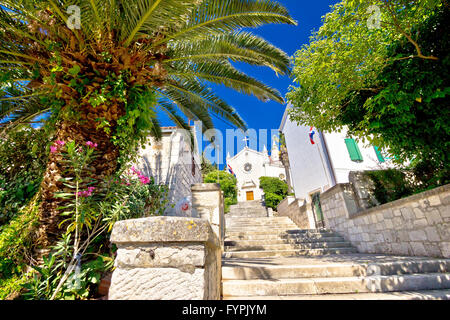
{"x": 353, "y": 150}
{"x": 379, "y": 155}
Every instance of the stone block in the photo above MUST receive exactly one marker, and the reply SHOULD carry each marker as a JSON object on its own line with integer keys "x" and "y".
{"x": 418, "y": 249}
{"x": 432, "y": 234}
{"x": 182, "y": 256}
{"x": 387, "y": 214}
{"x": 433, "y": 217}
{"x": 417, "y": 235}
{"x": 388, "y": 223}
{"x": 419, "y": 213}
{"x": 407, "y": 213}
{"x": 445, "y": 249}
{"x": 157, "y": 284}
{"x": 419, "y": 223}
{"x": 433, "y": 249}
{"x": 397, "y": 213}
{"x": 163, "y": 229}
{"x": 445, "y": 211}
{"x": 434, "y": 200}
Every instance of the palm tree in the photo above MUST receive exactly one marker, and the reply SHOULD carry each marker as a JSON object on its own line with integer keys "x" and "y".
{"x": 104, "y": 68}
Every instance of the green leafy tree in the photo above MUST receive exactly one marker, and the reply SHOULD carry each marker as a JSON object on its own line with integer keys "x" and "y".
{"x": 387, "y": 83}
{"x": 406, "y": 109}
{"x": 275, "y": 190}
{"x": 348, "y": 52}
{"x": 106, "y": 68}
{"x": 228, "y": 184}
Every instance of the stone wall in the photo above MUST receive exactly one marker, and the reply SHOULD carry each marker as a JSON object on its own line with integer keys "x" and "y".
{"x": 171, "y": 258}
{"x": 298, "y": 211}
{"x": 418, "y": 225}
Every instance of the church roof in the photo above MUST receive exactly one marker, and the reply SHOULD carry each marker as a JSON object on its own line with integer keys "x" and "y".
{"x": 246, "y": 149}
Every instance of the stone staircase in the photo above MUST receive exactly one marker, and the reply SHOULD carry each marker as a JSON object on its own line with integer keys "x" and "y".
{"x": 247, "y": 209}
{"x": 270, "y": 258}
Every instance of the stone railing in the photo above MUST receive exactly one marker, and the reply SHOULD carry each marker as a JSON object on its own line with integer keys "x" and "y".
{"x": 298, "y": 211}
{"x": 418, "y": 225}
{"x": 169, "y": 258}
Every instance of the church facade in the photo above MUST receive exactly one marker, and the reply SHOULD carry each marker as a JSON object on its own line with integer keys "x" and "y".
{"x": 249, "y": 165}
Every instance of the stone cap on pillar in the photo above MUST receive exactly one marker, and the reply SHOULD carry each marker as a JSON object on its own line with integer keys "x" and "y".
{"x": 198, "y": 187}
{"x": 164, "y": 229}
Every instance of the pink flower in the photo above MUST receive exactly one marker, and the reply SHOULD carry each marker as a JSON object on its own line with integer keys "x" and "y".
{"x": 135, "y": 171}
{"x": 91, "y": 144}
{"x": 144, "y": 179}
{"x": 86, "y": 193}
{"x": 53, "y": 149}
{"x": 60, "y": 143}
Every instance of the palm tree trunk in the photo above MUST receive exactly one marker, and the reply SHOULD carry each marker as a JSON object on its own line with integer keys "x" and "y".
{"x": 101, "y": 167}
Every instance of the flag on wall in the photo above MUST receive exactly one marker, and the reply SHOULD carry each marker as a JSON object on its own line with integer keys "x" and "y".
{"x": 311, "y": 135}
{"x": 230, "y": 170}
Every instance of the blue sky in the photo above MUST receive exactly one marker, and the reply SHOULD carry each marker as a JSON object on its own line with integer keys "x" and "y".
{"x": 257, "y": 114}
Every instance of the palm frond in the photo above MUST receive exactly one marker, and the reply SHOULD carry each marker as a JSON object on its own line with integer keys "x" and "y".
{"x": 205, "y": 98}
{"x": 225, "y": 74}
{"x": 229, "y": 15}
{"x": 236, "y": 46}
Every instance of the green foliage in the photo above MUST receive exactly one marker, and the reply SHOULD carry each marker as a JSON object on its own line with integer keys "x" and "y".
{"x": 22, "y": 161}
{"x": 345, "y": 55}
{"x": 388, "y": 85}
{"x": 73, "y": 268}
{"x": 16, "y": 240}
{"x": 390, "y": 185}
{"x": 407, "y": 109}
{"x": 192, "y": 43}
{"x": 227, "y": 184}
{"x": 79, "y": 284}
{"x": 137, "y": 125}
{"x": 275, "y": 190}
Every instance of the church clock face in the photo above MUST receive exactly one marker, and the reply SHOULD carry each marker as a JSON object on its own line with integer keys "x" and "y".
{"x": 248, "y": 167}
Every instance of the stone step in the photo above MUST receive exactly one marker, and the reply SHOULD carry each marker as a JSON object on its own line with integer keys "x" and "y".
{"x": 403, "y": 295}
{"x": 286, "y": 232}
{"x": 244, "y": 270}
{"x": 287, "y": 225}
{"x": 287, "y": 246}
{"x": 251, "y": 243}
{"x": 261, "y": 229}
{"x": 290, "y": 239}
{"x": 264, "y": 219}
{"x": 255, "y": 215}
{"x": 275, "y": 234}
{"x": 339, "y": 285}
{"x": 287, "y": 253}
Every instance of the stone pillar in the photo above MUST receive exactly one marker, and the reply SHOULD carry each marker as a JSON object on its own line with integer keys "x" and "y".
{"x": 166, "y": 258}
{"x": 208, "y": 203}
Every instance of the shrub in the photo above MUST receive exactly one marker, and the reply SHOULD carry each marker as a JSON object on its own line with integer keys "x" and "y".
{"x": 227, "y": 184}
{"x": 90, "y": 208}
{"x": 275, "y": 190}
{"x": 16, "y": 239}
{"x": 22, "y": 161}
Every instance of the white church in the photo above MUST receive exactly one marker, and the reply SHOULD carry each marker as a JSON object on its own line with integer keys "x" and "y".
{"x": 249, "y": 165}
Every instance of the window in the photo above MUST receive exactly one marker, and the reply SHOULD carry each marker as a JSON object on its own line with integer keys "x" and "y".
{"x": 379, "y": 155}
{"x": 353, "y": 150}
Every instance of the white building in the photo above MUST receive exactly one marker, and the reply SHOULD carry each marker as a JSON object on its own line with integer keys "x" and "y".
{"x": 317, "y": 167}
{"x": 249, "y": 165}
{"x": 171, "y": 161}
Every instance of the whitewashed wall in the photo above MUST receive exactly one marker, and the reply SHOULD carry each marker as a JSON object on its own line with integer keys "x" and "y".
{"x": 169, "y": 162}
{"x": 311, "y": 170}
